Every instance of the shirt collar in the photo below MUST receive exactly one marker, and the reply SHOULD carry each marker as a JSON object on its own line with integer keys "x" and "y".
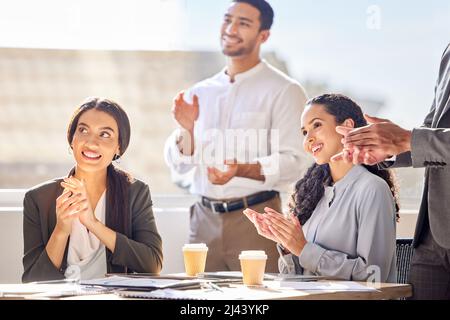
{"x": 350, "y": 177}
{"x": 339, "y": 187}
{"x": 246, "y": 74}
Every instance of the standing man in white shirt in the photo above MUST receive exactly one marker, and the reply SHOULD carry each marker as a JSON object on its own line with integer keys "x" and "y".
{"x": 240, "y": 132}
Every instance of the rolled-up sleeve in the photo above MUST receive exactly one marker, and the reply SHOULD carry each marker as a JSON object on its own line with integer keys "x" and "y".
{"x": 177, "y": 161}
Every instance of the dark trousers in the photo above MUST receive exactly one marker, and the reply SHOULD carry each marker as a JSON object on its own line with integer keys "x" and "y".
{"x": 430, "y": 269}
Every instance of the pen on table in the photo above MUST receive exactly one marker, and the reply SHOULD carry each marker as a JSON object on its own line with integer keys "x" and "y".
{"x": 215, "y": 286}
{"x": 56, "y": 281}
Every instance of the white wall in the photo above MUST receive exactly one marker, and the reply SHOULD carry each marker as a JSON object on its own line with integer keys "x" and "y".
{"x": 11, "y": 247}
{"x": 172, "y": 218}
{"x": 171, "y": 214}
{"x": 173, "y": 227}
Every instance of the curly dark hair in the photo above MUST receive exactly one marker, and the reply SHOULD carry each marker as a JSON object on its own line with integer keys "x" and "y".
{"x": 310, "y": 189}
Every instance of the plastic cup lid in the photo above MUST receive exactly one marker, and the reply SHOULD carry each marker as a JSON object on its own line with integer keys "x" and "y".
{"x": 253, "y": 254}
{"x": 195, "y": 247}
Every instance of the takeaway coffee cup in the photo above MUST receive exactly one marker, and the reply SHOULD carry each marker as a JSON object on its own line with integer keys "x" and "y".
{"x": 253, "y": 265}
{"x": 194, "y": 258}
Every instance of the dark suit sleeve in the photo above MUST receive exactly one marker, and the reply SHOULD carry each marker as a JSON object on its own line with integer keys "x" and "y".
{"x": 36, "y": 263}
{"x": 142, "y": 253}
{"x": 406, "y": 159}
{"x": 429, "y": 146}
{"x": 416, "y": 157}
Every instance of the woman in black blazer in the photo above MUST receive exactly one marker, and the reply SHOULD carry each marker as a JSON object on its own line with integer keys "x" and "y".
{"x": 98, "y": 219}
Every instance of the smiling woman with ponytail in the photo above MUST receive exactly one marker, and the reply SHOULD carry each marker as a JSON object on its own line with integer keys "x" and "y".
{"x": 342, "y": 216}
{"x": 98, "y": 219}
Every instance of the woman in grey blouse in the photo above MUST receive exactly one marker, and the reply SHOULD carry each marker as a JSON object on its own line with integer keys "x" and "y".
{"x": 342, "y": 219}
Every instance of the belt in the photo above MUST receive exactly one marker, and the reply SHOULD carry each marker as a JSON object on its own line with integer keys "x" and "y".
{"x": 218, "y": 206}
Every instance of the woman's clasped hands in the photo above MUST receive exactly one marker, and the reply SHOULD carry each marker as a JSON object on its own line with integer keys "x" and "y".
{"x": 73, "y": 203}
{"x": 276, "y": 227}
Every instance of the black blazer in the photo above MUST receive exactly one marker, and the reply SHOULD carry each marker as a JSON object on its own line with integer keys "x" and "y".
{"x": 139, "y": 250}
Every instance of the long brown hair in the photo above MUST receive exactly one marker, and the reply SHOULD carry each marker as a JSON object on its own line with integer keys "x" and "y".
{"x": 118, "y": 181}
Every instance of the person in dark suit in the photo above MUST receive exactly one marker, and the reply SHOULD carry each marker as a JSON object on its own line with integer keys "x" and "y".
{"x": 427, "y": 146}
{"x": 98, "y": 219}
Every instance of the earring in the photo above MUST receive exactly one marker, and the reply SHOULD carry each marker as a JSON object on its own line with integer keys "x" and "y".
{"x": 116, "y": 158}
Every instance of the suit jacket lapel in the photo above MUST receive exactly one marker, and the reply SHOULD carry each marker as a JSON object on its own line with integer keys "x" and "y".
{"x": 442, "y": 93}
{"x": 52, "y": 211}
{"x": 52, "y": 220}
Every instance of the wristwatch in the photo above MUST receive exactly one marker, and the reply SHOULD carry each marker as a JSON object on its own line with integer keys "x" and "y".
{"x": 391, "y": 158}
{"x": 283, "y": 249}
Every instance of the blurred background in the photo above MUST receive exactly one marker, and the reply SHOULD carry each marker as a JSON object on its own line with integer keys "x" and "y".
{"x": 54, "y": 54}
{"x": 140, "y": 53}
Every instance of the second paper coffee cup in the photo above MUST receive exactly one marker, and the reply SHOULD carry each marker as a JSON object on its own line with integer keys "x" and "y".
{"x": 253, "y": 266}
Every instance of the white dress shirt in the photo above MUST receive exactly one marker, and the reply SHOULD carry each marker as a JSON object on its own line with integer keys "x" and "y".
{"x": 86, "y": 257}
{"x": 263, "y": 105}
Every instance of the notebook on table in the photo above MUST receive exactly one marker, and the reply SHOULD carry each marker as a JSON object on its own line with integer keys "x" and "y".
{"x": 166, "y": 294}
{"x": 143, "y": 283}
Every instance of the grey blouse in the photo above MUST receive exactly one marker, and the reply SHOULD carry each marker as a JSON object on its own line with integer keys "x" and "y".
{"x": 351, "y": 233}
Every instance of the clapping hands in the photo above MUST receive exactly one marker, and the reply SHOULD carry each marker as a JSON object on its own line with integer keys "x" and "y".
{"x": 274, "y": 226}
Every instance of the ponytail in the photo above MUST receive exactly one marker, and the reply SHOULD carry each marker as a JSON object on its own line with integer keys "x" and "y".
{"x": 117, "y": 197}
